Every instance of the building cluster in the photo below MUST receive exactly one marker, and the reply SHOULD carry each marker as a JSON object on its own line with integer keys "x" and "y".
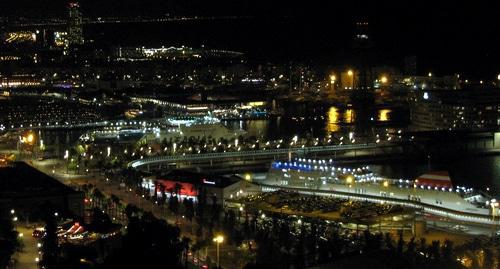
{"x": 30, "y": 111}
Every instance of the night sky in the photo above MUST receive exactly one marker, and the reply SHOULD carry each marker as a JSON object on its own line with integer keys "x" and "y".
{"x": 447, "y": 36}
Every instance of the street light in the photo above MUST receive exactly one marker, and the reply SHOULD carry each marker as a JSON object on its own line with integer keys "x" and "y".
{"x": 30, "y": 138}
{"x": 494, "y": 204}
{"x": 383, "y": 79}
{"x": 218, "y": 240}
{"x": 349, "y": 179}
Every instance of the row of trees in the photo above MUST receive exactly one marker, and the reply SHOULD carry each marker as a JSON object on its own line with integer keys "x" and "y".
{"x": 283, "y": 243}
{"x": 149, "y": 243}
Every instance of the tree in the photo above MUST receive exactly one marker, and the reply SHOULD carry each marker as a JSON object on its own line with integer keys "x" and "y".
{"x": 447, "y": 250}
{"x": 401, "y": 243}
{"x": 189, "y": 208}
{"x": 388, "y": 243}
{"x": 101, "y": 222}
{"x": 173, "y": 204}
{"x": 98, "y": 196}
{"x": 8, "y": 238}
{"x": 50, "y": 246}
{"x": 117, "y": 202}
{"x": 148, "y": 243}
{"x": 185, "y": 243}
{"x": 434, "y": 250}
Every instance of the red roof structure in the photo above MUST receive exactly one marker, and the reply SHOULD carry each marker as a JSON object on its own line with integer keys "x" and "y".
{"x": 440, "y": 179}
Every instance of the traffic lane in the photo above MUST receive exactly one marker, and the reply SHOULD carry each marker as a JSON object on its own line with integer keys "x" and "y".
{"x": 26, "y": 258}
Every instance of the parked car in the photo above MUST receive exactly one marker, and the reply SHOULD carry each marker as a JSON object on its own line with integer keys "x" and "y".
{"x": 38, "y": 233}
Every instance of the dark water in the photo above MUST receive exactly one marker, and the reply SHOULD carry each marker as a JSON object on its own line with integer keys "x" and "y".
{"x": 319, "y": 121}
{"x": 471, "y": 171}
{"x": 282, "y": 39}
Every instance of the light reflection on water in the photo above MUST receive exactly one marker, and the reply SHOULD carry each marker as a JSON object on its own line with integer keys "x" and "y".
{"x": 332, "y": 124}
{"x": 337, "y": 117}
{"x": 332, "y": 120}
{"x": 384, "y": 114}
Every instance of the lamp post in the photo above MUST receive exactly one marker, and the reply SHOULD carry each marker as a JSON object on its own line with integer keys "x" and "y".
{"x": 350, "y": 180}
{"x": 494, "y": 204}
{"x": 66, "y": 157}
{"x": 333, "y": 78}
{"x": 383, "y": 79}
{"x": 218, "y": 240}
{"x": 294, "y": 141}
{"x": 350, "y": 73}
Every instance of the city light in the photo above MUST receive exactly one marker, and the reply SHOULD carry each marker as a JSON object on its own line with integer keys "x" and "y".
{"x": 191, "y": 126}
{"x": 30, "y": 138}
{"x": 218, "y": 240}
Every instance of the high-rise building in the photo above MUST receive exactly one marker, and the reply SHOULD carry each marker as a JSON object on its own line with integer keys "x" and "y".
{"x": 410, "y": 65}
{"x": 361, "y": 45}
{"x": 75, "y": 32}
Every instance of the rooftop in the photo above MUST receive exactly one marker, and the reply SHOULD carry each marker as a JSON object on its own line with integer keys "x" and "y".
{"x": 19, "y": 179}
{"x": 196, "y": 178}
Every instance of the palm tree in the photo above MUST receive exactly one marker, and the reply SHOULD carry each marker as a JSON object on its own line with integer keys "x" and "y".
{"x": 177, "y": 189}
{"x": 116, "y": 201}
{"x": 8, "y": 239}
{"x": 98, "y": 196}
{"x": 185, "y": 246}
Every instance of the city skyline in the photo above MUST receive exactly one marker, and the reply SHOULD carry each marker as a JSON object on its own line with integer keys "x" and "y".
{"x": 446, "y": 37}
{"x": 249, "y": 134}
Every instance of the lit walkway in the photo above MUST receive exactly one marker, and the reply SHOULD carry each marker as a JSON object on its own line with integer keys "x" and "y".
{"x": 452, "y": 205}
{"x": 254, "y": 153}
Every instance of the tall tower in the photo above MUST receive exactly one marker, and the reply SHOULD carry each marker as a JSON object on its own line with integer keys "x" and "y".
{"x": 75, "y": 32}
{"x": 361, "y": 45}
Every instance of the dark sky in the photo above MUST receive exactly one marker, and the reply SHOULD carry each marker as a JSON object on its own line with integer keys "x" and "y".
{"x": 461, "y": 34}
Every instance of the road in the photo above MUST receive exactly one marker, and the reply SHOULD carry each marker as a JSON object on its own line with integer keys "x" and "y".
{"x": 26, "y": 258}
{"x": 56, "y": 168}
{"x": 365, "y": 149}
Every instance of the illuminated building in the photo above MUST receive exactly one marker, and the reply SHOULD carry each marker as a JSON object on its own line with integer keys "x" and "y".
{"x": 19, "y": 81}
{"x": 61, "y": 39}
{"x": 29, "y": 111}
{"x": 75, "y": 32}
{"x": 170, "y": 53}
{"x": 20, "y": 36}
{"x": 455, "y": 109}
{"x": 189, "y": 184}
